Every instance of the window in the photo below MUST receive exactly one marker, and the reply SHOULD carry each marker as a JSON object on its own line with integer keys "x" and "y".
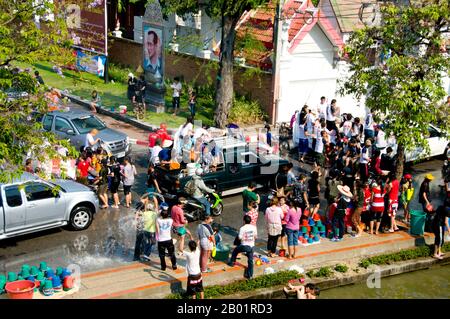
{"x": 433, "y": 132}
{"x": 86, "y": 123}
{"x": 38, "y": 191}
{"x": 47, "y": 124}
{"x": 248, "y": 158}
{"x": 62, "y": 125}
{"x": 13, "y": 196}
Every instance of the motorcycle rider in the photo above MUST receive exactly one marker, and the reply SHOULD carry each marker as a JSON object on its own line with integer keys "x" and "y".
{"x": 200, "y": 188}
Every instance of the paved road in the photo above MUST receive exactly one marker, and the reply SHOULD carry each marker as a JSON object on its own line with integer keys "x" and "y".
{"x": 110, "y": 239}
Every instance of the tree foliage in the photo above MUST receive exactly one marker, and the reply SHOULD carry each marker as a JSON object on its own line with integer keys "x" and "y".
{"x": 404, "y": 86}
{"x": 22, "y": 39}
{"x": 228, "y": 12}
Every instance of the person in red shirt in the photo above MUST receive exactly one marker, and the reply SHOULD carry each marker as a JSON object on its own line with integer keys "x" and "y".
{"x": 83, "y": 169}
{"x": 179, "y": 222}
{"x": 376, "y": 206}
{"x": 375, "y": 163}
{"x": 392, "y": 189}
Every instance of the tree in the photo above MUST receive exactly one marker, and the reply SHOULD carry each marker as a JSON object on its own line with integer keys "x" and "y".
{"x": 23, "y": 40}
{"x": 229, "y": 12}
{"x": 404, "y": 86}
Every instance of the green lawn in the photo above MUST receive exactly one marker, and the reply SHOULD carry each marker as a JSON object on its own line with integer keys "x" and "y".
{"x": 114, "y": 94}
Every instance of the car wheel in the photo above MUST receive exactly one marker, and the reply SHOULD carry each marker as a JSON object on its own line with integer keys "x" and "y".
{"x": 81, "y": 218}
{"x": 217, "y": 211}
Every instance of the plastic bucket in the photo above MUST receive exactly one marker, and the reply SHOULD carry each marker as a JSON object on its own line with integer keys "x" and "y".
{"x": 417, "y": 222}
{"x": 222, "y": 254}
{"x": 22, "y": 289}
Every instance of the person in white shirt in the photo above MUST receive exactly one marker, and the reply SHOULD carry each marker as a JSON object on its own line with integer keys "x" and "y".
{"x": 364, "y": 161}
{"x": 90, "y": 141}
{"x": 332, "y": 112}
{"x": 368, "y": 126}
{"x": 154, "y": 157}
{"x": 164, "y": 237}
{"x": 247, "y": 235}
{"x": 194, "y": 280}
{"x": 322, "y": 108}
{"x": 347, "y": 126}
{"x": 176, "y": 86}
{"x": 381, "y": 142}
{"x": 309, "y": 128}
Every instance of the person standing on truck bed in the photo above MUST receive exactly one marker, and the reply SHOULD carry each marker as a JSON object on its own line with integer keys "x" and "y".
{"x": 200, "y": 187}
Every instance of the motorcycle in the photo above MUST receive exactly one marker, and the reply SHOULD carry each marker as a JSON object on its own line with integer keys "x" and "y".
{"x": 194, "y": 210}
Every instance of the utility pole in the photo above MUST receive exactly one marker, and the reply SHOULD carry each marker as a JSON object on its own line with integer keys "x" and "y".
{"x": 276, "y": 61}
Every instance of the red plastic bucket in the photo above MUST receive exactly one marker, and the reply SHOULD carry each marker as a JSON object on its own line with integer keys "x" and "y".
{"x": 21, "y": 289}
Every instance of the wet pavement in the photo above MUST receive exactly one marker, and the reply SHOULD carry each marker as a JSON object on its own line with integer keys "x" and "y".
{"x": 109, "y": 241}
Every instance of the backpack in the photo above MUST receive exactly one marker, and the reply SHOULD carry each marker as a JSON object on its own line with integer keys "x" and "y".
{"x": 190, "y": 187}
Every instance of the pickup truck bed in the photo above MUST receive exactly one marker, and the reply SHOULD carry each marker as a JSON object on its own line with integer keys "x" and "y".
{"x": 240, "y": 166}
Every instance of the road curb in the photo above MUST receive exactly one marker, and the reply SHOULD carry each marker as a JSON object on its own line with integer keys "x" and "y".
{"x": 115, "y": 115}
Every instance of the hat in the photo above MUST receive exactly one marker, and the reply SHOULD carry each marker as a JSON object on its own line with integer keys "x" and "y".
{"x": 407, "y": 176}
{"x": 130, "y": 75}
{"x": 167, "y": 143}
{"x": 429, "y": 176}
{"x": 345, "y": 190}
{"x": 164, "y": 206}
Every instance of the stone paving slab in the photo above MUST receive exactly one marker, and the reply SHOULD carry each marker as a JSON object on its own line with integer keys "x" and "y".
{"x": 146, "y": 280}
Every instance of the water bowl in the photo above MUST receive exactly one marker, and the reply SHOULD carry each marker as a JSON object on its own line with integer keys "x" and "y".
{"x": 59, "y": 271}
{"x": 22, "y": 289}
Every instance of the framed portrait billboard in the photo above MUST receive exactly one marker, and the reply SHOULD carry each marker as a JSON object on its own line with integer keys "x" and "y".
{"x": 153, "y": 63}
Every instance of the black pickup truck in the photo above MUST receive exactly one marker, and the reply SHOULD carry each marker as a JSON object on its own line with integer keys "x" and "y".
{"x": 238, "y": 165}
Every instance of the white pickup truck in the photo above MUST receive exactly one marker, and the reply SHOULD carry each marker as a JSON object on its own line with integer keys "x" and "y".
{"x": 30, "y": 204}
{"x": 437, "y": 142}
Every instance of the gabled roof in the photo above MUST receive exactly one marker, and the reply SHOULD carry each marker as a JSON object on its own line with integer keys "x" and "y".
{"x": 302, "y": 16}
{"x": 260, "y": 24}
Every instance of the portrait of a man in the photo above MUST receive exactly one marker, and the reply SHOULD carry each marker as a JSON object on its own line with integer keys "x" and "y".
{"x": 153, "y": 62}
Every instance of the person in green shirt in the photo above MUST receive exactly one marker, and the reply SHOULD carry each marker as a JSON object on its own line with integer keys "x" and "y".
{"x": 149, "y": 216}
{"x": 248, "y": 196}
{"x": 146, "y": 231}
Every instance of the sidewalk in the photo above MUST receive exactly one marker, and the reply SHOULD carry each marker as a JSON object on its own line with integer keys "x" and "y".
{"x": 146, "y": 280}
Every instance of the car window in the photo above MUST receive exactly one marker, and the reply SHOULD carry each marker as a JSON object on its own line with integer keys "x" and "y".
{"x": 433, "y": 132}
{"x": 38, "y": 191}
{"x": 47, "y": 124}
{"x": 13, "y": 196}
{"x": 85, "y": 124}
{"x": 62, "y": 125}
{"x": 248, "y": 158}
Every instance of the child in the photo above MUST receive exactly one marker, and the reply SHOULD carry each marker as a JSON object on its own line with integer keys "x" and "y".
{"x": 253, "y": 213}
{"x": 309, "y": 291}
{"x": 194, "y": 281}
{"x": 218, "y": 236}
